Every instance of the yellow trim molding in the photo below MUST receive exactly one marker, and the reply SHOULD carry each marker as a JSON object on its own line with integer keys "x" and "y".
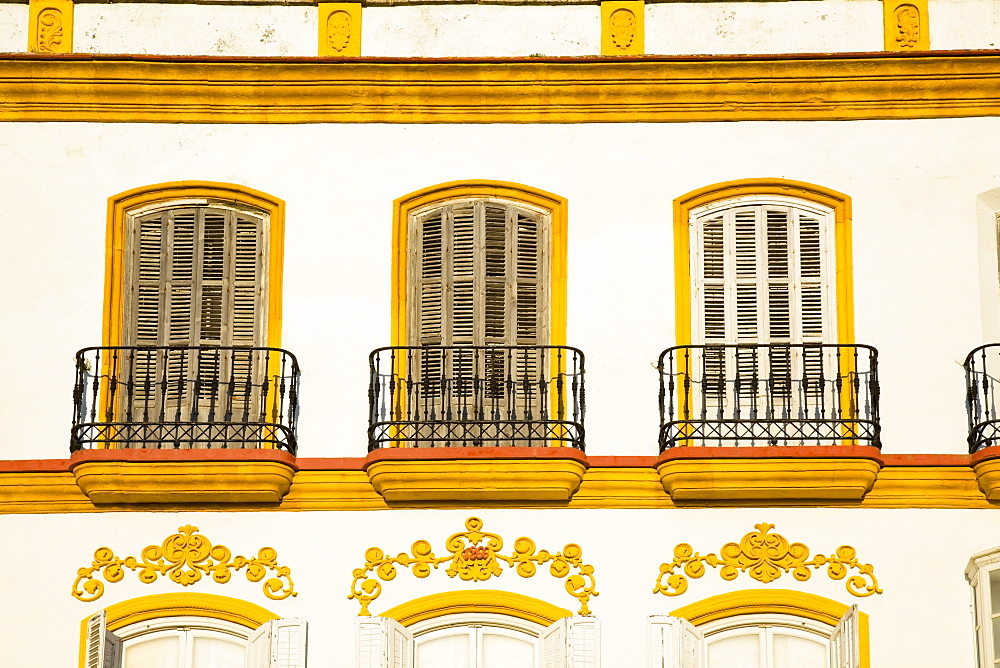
{"x": 839, "y": 202}
{"x": 764, "y": 556}
{"x": 122, "y": 204}
{"x": 184, "y": 557}
{"x": 906, "y": 25}
{"x": 505, "y": 190}
{"x": 474, "y": 556}
{"x": 492, "y": 601}
{"x": 340, "y": 28}
{"x": 775, "y": 601}
{"x": 623, "y": 29}
{"x": 156, "y": 89}
{"x": 50, "y": 26}
{"x": 157, "y": 606}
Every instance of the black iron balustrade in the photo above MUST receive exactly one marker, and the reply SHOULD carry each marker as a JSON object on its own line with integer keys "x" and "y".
{"x": 168, "y": 397}
{"x": 982, "y": 376}
{"x": 476, "y": 396}
{"x": 769, "y": 394}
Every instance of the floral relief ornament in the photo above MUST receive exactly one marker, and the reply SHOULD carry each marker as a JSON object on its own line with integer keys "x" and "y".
{"x": 765, "y": 557}
{"x": 184, "y": 558}
{"x": 474, "y": 555}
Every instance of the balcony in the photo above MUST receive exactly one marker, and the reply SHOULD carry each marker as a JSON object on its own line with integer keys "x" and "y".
{"x": 769, "y": 395}
{"x": 476, "y": 396}
{"x": 185, "y": 397}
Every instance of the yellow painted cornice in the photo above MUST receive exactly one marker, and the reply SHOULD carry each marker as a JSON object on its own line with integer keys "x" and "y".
{"x": 78, "y": 87}
{"x": 604, "y": 486}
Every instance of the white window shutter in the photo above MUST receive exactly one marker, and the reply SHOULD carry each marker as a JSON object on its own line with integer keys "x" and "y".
{"x": 104, "y": 648}
{"x": 845, "y": 642}
{"x": 554, "y": 640}
{"x": 583, "y": 642}
{"x": 279, "y": 643}
{"x": 674, "y": 643}
{"x": 383, "y": 643}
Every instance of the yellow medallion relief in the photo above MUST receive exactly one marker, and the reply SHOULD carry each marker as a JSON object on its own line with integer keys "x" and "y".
{"x": 184, "y": 558}
{"x": 765, "y": 556}
{"x": 622, "y": 27}
{"x": 50, "y": 26}
{"x": 340, "y": 29}
{"x": 474, "y": 555}
{"x": 905, "y": 23}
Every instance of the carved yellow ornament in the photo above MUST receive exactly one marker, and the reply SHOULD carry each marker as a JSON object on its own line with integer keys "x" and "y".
{"x": 184, "y": 558}
{"x": 765, "y": 557}
{"x": 474, "y": 555}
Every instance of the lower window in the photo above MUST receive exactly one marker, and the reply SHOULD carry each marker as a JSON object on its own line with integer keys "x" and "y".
{"x": 477, "y": 643}
{"x": 767, "y": 641}
{"x": 183, "y": 644}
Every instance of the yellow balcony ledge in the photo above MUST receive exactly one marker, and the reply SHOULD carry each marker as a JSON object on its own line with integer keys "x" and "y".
{"x": 778, "y": 475}
{"x": 476, "y": 476}
{"x": 183, "y": 477}
{"x": 986, "y": 463}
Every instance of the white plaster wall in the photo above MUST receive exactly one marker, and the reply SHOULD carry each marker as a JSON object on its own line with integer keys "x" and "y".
{"x": 13, "y": 28}
{"x": 918, "y": 556}
{"x": 481, "y": 30}
{"x": 764, "y": 27}
{"x": 194, "y": 30}
{"x": 964, "y": 24}
{"x": 914, "y": 186}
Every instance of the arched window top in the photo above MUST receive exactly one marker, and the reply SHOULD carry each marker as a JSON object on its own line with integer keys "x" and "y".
{"x": 792, "y": 239}
{"x": 488, "y": 259}
{"x": 138, "y": 215}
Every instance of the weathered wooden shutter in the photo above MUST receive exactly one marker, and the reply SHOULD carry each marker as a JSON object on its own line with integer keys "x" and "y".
{"x": 279, "y": 643}
{"x": 196, "y": 279}
{"x": 383, "y": 643}
{"x": 479, "y": 275}
{"x": 674, "y": 643}
{"x": 845, "y": 641}
{"x": 571, "y": 642}
{"x": 553, "y": 641}
{"x": 103, "y": 648}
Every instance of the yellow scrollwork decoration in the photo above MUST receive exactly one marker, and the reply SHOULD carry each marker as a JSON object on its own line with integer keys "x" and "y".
{"x": 185, "y": 558}
{"x": 474, "y": 555}
{"x": 765, "y": 556}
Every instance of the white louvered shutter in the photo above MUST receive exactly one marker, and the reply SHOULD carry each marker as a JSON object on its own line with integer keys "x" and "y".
{"x": 674, "y": 643}
{"x": 103, "y": 648}
{"x": 383, "y": 643}
{"x": 554, "y": 641}
{"x": 583, "y": 642}
{"x": 196, "y": 278}
{"x": 845, "y": 641}
{"x": 279, "y": 643}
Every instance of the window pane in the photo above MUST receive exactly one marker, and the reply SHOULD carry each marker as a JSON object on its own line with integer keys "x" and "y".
{"x": 154, "y": 653}
{"x": 445, "y": 652}
{"x": 735, "y": 652}
{"x": 500, "y": 651}
{"x": 995, "y": 592}
{"x": 217, "y": 653}
{"x": 795, "y": 652}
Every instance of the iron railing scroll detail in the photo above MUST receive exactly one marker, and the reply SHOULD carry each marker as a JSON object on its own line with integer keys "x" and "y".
{"x": 168, "y": 397}
{"x": 982, "y": 391}
{"x": 769, "y": 394}
{"x": 476, "y": 396}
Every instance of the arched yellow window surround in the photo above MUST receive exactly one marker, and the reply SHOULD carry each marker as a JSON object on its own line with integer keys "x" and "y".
{"x": 192, "y": 604}
{"x": 119, "y": 207}
{"x": 457, "y": 190}
{"x": 476, "y": 601}
{"x": 838, "y": 202}
{"x": 774, "y": 601}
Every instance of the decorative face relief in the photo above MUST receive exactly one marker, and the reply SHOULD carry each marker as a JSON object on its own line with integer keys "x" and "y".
{"x": 907, "y": 26}
{"x": 765, "y": 556}
{"x": 474, "y": 555}
{"x": 622, "y": 24}
{"x": 338, "y": 30}
{"x": 184, "y": 558}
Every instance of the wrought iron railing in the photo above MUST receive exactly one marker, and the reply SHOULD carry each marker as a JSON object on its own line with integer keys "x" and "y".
{"x": 982, "y": 386}
{"x": 774, "y": 394}
{"x": 476, "y": 396}
{"x": 185, "y": 397}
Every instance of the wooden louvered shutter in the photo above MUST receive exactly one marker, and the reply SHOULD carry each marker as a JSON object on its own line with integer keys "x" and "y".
{"x": 383, "y": 642}
{"x": 845, "y": 641}
{"x": 196, "y": 279}
{"x": 103, "y": 649}
{"x": 674, "y": 643}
